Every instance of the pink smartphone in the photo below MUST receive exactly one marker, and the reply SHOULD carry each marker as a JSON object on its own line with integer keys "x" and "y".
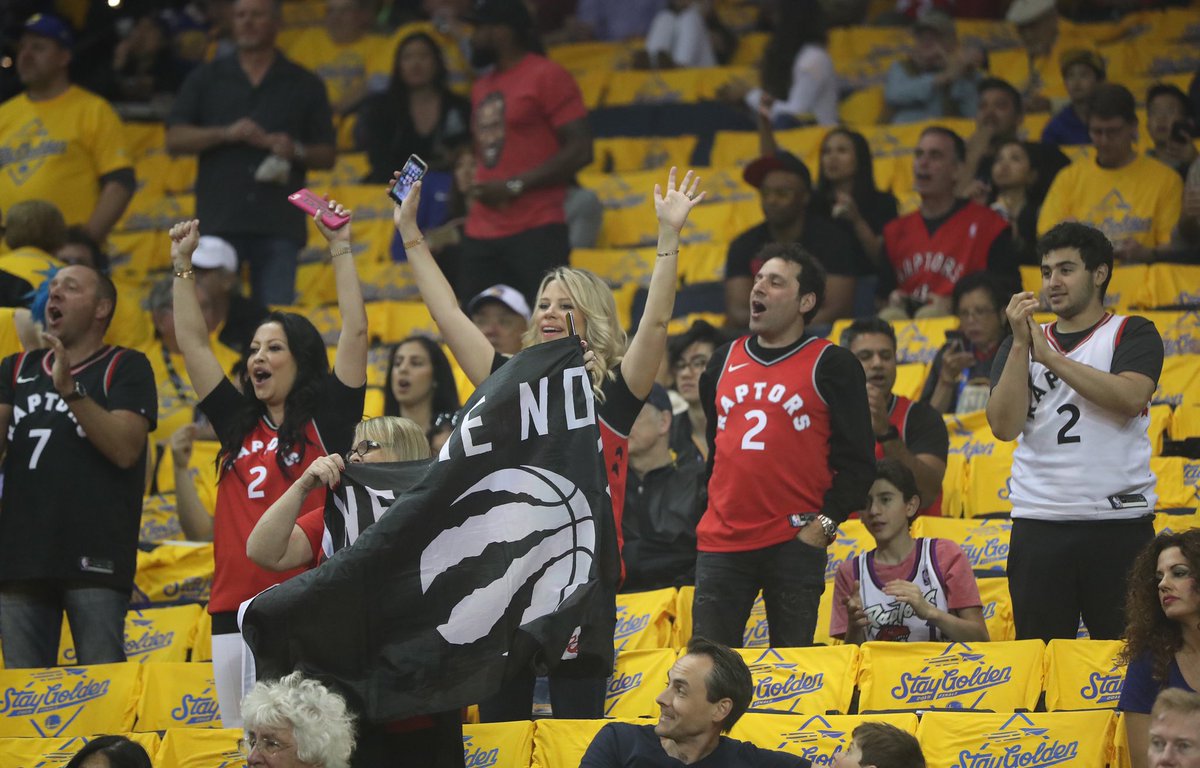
{"x": 310, "y": 203}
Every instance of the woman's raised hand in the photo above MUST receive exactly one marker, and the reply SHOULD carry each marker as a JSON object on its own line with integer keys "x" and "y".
{"x": 404, "y": 216}
{"x": 185, "y": 236}
{"x": 673, "y": 206}
{"x": 342, "y": 233}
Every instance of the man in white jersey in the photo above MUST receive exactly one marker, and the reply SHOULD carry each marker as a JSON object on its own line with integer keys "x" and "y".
{"x": 1075, "y": 395}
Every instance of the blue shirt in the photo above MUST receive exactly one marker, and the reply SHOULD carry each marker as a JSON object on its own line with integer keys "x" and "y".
{"x": 1066, "y": 129}
{"x": 1141, "y": 689}
{"x": 624, "y": 745}
{"x": 616, "y": 21}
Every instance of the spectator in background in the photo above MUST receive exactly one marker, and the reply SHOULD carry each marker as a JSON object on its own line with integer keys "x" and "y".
{"x": 1018, "y": 184}
{"x": 418, "y": 114}
{"x": 80, "y": 248}
{"x": 785, "y": 188}
{"x": 1135, "y": 201}
{"x": 300, "y": 714}
{"x": 502, "y": 313}
{"x": 351, "y": 60}
{"x": 232, "y": 316}
{"x": 1174, "y": 730}
{"x": 59, "y": 142}
{"x": 73, "y": 422}
{"x": 846, "y": 191}
{"x": 911, "y": 433}
{"x": 1162, "y": 638}
{"x": 257, "y": 122}
{"x": 678, "y": 37}
{"x": 531, "y": 137}
{"x": 960, "y": 375}
{"x": 880, "y": 745}
{"x": 664, "y": 499}
{"x": 33, "y": 232}
{"x": 1082, "y": 70}
{"x": 799, "y": 85}
{"x": 420, "y": 387}
{"x": 1186, "y": 240}
{"x": 145, "y": 63}
{"x": 110, "y": 752}
{"x": 610, "y": 22}
{"x": 999, "y": 122}
{"x": 689, "y": 358}
{"x": 906, "y": 589}
{"x": 945, "y": 239}
{"x": 1171, "y": 124}
{"x": 1044, "y": 41}
{"x": 937, "y": 79}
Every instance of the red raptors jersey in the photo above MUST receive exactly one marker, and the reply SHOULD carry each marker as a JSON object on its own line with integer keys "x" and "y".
{"x": 930, "y": 265}
{"x": 772, "y": 449}
{"x": 244, "y": 493}
{"x": 898, "y": 418}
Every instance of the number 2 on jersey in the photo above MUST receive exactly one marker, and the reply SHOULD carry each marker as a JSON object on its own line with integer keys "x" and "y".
{"x": 1064, "y": 434}
{"x": 254, "y": 487}
{"x": 748, "y": 441}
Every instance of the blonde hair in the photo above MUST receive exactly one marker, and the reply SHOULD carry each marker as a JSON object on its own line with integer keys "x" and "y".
{"x": 604, "y": 333}
{"x": 35, "y": 223}
{"x": 1176, "y": 700}
{"x": 400, "y": 437}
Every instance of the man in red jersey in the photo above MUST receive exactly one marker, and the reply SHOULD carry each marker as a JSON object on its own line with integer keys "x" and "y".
{"x": 945, "y": 239}
{"x": 790, "y": 457}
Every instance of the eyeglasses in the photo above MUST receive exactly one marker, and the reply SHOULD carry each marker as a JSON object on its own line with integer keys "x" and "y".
{"x": 266, "y": 745}
{"x": 362, "y": 449}
{"x": 697, "y": 363}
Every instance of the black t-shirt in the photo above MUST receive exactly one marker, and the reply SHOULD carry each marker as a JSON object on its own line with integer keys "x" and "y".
{"x": 925, "y": 431}
{"x": 69, "y": 513}
{"x": 624, "y": 745}
{"x": 1140, "y": 349}
{"x": 389, "y": 136}
{"x": 843, "y": 385}
{"x": 839, "y": 252}
{"x": 877, "y": 209}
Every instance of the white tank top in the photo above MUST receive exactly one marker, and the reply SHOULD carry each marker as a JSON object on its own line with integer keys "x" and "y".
{"x": 1075, "y": 460}
{"x": 891, "y": 619}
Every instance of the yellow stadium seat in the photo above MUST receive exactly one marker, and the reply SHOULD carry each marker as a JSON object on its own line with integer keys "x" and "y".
{"x": 1160, "y": 422}
{"x": 1170, "y": 285}
{"x": 1173, "y": 490}
{"x": 203, "y": 466}
{"x": 498, "y": 745}
{"x": 177, "y": 695}
{"x": 390, "y": 321}
{"x": 387, "y": 281}
{"x": 954, "y": 485}
{"x": 852, "y": 539}
{"x": 1180, "y": 381}
{"x": 627, "y": 189}
{"x": 348, "y": 168}
{"x": 918, "y": 341}
{"x": 629, "y": 155}
{"x": 988, "y": 486}
{"x": 863, "y": 107}
{"x": 994, "y": 677}
{"x": 681, "y": 630}
{"x": 558, "y": 743}
{"x": 196, "y": 747}
{"x": 676, "y": 86}
{"x": 638, "y": 677}
{"x": 134, "y": 254}
{"x": 816, "y": 738}
{"x": 10, "y": 344}
{"x": 202, "y": 647}
{"x": 159, "y": 520}
{"x": 1083, "y": 674}
{"x": 1185, "y": 422}
{"x": 1165, "y": 522}
{"x": 151, "y": 635}
{"x": 57, "y": 752}
{"x": 593, "y": 86}
{"x": 70, "y": 701}
{"x": 644, "y": 619}
{"x": 173, "y": 573}
{"x": 704, "y": 263}
{"x": 757, "y": 633}
{"x": 984, "y": 542}
{"x": 181, "y": 175}
{"x": 734, "y": 149}
{"x": 750, "y": 49}
{"x": 1125, "y": 288}
{"x": 617, "y": 266}
{"x": 816, "y": 680}
{"x": 1180, "y": 331}
{"x": 725, "y": 185}
{"x": 156, "y": 212}
{"x": 578, "y": 58}
{"x": 1031, "y": 279}
{"x": 1033, "y": 738}
{"x": 373, "y": 404}
{"x": 910, "y": 379}
{"x": 679, "y": 325}
{"x": 997, "y": 609}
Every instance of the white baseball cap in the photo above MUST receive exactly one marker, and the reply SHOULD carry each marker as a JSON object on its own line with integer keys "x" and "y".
{"x": 1025, "y": 11}
{"x": 215, "y": 253}
{"x": 506, "y": 295}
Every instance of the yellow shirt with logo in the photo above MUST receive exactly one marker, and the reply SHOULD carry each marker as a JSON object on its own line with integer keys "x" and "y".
{"x": 58, "y": 149}
{"x": 1139, "y": 201}
{"x": 349, "y": 71}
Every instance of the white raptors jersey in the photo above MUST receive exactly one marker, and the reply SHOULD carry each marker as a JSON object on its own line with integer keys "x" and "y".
{"x": 891, "y": 619}
{"x": 1075, "y": 460}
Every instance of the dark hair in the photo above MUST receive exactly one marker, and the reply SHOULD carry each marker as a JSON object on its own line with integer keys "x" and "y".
{"x": 729, "y": 679}
{"x": 1166, "y": 89}
{"x": 397, "y": 90}
{"x": 445, "y": 390}
{"x": 812, "y": 274}
{"x": 120, "y": 751}
{"x": 997, "y": 84}
{"x": 868, "y": 325}
{"x": 883, "y": 745}
{"x": 701, "y": 330}
{"x": 900, "y": 476}
{"x": 1110, "y": 100}
{"x": 797, "y": 23}
{"x": 1094, "y": 248}
{"x": 312, "y": 368}
{"x": 77, "y": 235}
{"x": 1148, "y": 631}
{"x": 960, "y": 146}
{"x": 979, "y": 281}
{"x": 864, "y": 171}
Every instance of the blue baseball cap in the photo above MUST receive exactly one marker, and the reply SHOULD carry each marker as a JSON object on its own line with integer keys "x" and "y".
{"x": 48, "y": 25}
{"x": 659, "y": 398}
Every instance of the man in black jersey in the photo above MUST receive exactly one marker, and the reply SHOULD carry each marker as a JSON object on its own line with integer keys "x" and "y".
{"x": 73, "y": 425}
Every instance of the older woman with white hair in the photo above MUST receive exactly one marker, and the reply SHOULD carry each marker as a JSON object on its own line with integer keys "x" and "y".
{"x": 295, "y": 722}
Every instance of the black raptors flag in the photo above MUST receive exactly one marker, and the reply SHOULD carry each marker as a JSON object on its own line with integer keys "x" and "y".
{"x": 500, "y": 552}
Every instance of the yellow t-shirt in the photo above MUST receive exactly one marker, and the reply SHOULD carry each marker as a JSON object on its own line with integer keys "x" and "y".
{"x": 33, "y": 265}
{"x": 1141, "y": 200}
{"x": 348, "y": 71}
{"x": 58, "y": 149}
{"x": 177, "y": 399}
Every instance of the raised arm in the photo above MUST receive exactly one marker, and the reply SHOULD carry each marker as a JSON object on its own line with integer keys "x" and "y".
{"x": 649, "y": 344}
{"x": 471, "y": 348}
{"x": 350, "y": 364}
{"x": 190, "y": 330}
{"x": 194, "y": 520}
{"x": 1008, "y": 404}
{"x": 277, "y": 543}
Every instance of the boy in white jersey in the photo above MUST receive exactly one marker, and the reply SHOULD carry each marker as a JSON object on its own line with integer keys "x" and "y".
{"x": 1075, "y": 394}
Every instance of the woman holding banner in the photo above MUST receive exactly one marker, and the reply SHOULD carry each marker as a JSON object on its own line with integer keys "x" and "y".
{"x": 572, "y": 301}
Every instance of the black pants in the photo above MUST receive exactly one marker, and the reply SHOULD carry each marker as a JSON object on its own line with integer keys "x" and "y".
{"x": 572, "y": 696}
{"x": 439, "y": 746}
{"x": 1058, "y": 572}
{"x": 519, "y": 260}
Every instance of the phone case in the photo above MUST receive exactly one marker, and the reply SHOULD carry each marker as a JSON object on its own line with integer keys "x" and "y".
{"x": 308, "y": 202}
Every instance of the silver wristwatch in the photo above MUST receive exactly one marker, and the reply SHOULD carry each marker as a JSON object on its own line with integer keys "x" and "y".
{"x": 828, "y": 526}
{"x": 515, "y": 187}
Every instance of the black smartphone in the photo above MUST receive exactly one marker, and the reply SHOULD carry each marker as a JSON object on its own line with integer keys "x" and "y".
{"x": 956, "y": 338}
{"x": 413, "y": 171}
{"x": 571, "y": 323}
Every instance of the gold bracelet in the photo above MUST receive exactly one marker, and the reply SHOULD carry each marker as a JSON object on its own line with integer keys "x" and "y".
{"x": 413, "y": 243}
{"x": 662, "y": 254}
{"x": 186, "y": 274}
{"x": 340, "y": 249}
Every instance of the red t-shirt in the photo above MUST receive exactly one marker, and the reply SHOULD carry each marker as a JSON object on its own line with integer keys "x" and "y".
{"x": 312, "y": 523}
{"x": 956, "y": 575}
{"x": 929, "y": 265}
{"x": 516, "y": 114}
